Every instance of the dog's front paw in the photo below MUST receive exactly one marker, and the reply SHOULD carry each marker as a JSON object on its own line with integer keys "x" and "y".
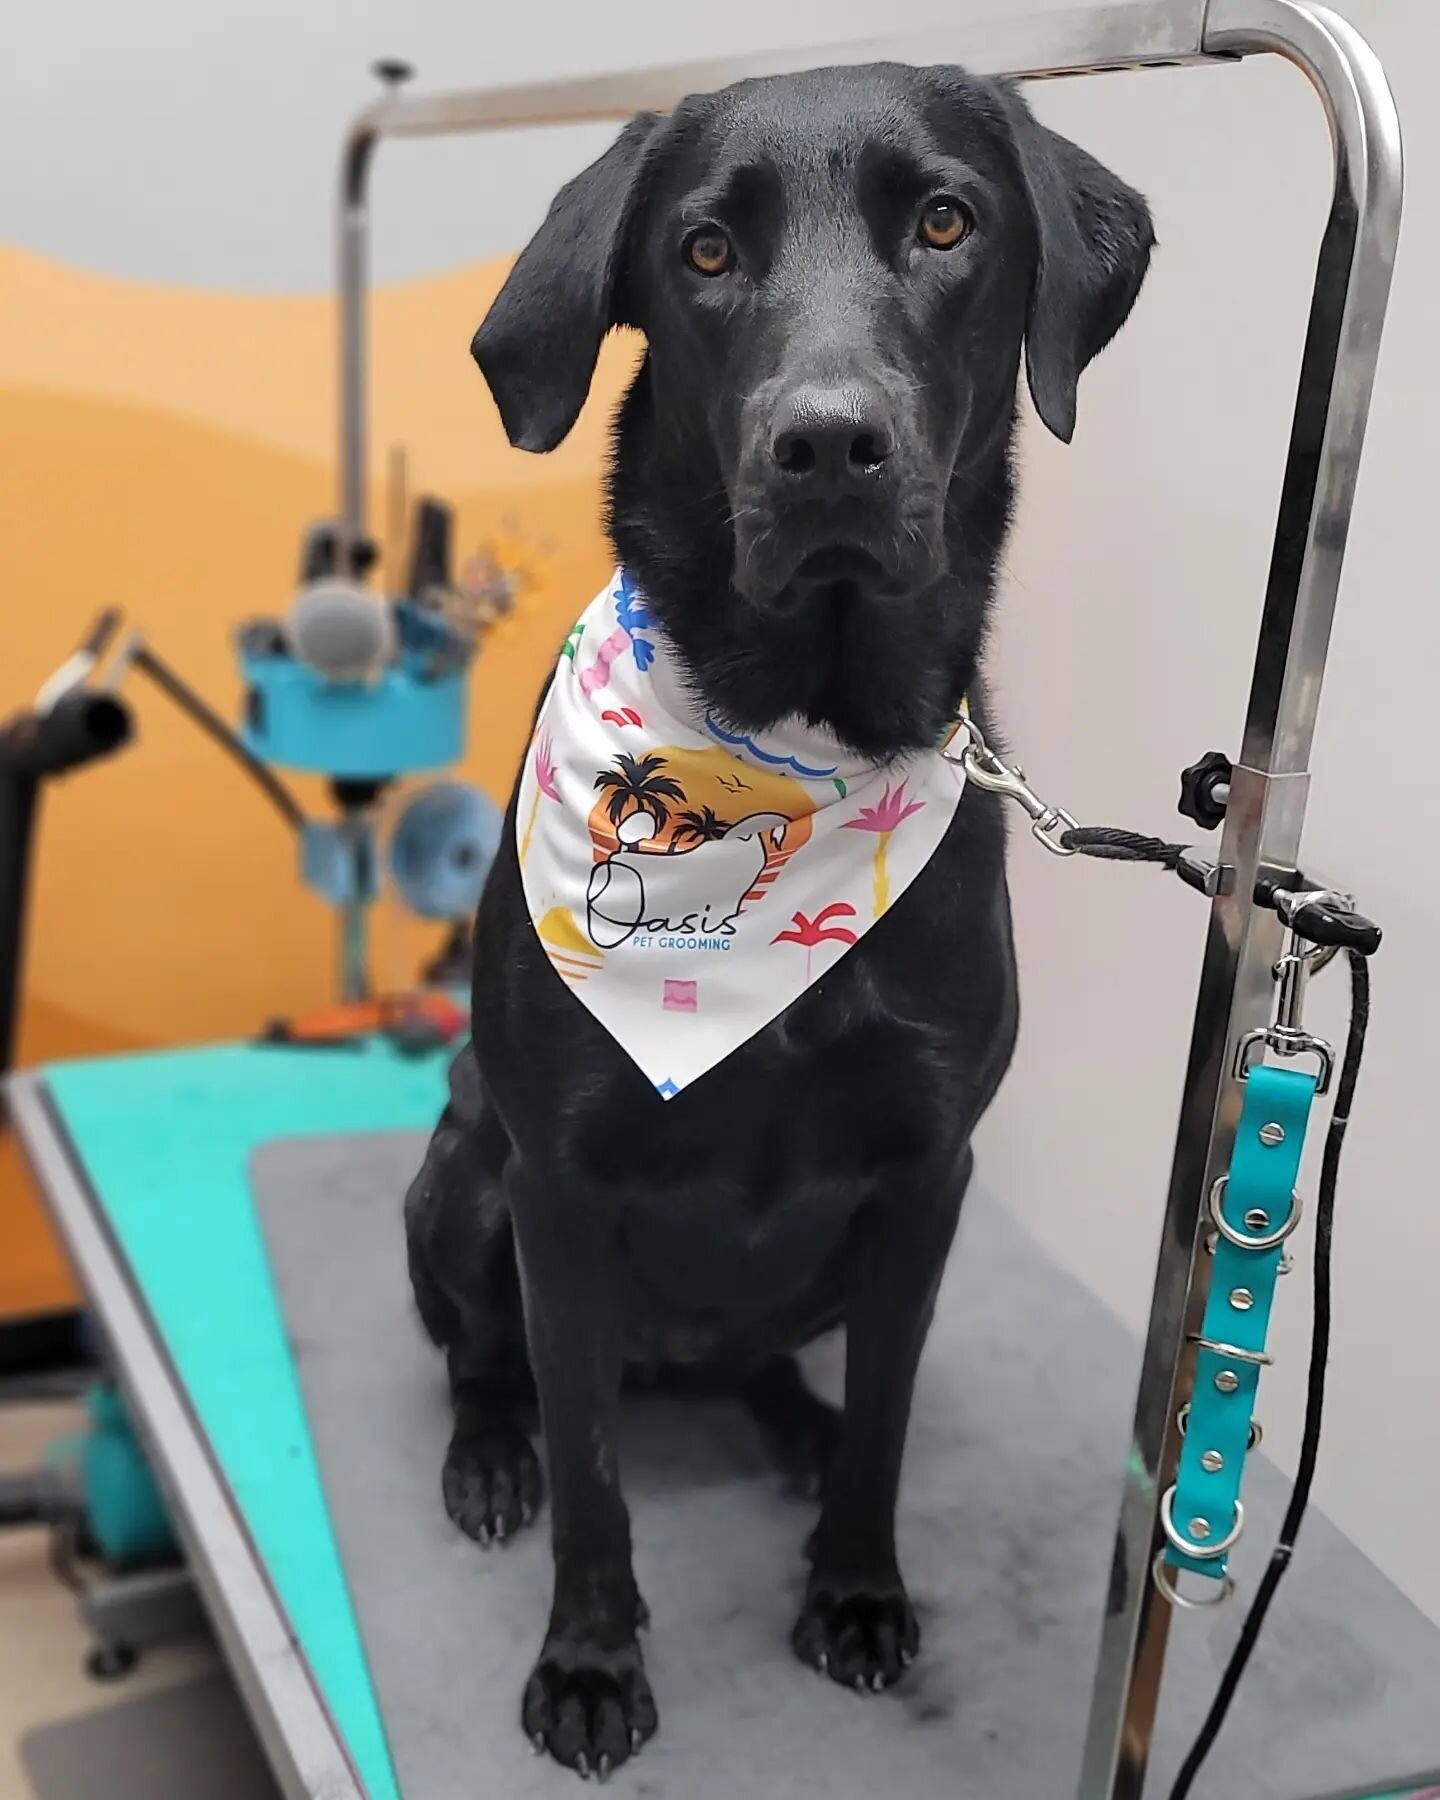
{"x": 592, "y": 1709}
{"x": 491, "y": 1480}
{"x": 862, "y": 1634}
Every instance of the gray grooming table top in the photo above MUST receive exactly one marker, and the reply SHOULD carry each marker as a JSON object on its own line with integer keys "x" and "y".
{"x": 1008, "y": 1510}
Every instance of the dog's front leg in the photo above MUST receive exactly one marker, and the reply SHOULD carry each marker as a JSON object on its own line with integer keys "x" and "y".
{"x": 588, "y": 1701}
{"x": 857, "y": 1624}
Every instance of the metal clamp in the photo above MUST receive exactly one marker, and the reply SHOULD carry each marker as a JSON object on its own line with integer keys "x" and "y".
{"x": 1241, "y": 1239}
{"x": 992, "y": 773}
{"x": 1200, "y": 1552}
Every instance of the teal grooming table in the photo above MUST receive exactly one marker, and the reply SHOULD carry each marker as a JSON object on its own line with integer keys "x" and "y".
{"x": 146, "y": 1164}
{"x": 173, "y": 1263}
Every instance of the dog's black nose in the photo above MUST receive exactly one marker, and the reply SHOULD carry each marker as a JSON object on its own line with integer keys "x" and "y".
{"x": 832, "y": 437}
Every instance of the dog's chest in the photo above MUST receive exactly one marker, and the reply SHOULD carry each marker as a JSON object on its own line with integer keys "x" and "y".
{"x": 736, "y": 1197}
{"x": 722, "y": 1262}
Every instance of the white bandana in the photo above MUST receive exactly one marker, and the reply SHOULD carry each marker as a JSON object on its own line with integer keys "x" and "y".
{"x": 690, "y": 882}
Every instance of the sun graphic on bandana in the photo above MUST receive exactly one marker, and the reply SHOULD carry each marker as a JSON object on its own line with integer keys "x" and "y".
{"x": 671, "y": 800}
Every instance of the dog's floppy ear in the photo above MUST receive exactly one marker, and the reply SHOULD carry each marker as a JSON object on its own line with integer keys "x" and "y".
{"x": 539, "y": 341}
{"x": 1093, "y": 240}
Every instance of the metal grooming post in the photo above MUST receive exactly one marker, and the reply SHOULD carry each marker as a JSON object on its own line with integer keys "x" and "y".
{"x": 1267, "y": 796}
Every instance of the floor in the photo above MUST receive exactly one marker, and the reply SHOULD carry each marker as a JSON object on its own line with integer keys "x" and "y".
{"x": 43, "y": 1642}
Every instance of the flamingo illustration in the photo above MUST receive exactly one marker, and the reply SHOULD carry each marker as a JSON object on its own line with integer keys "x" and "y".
{"x": 544, "y": 784}
{"x": 810, "y": 932}
{"x": 892, "y": 810}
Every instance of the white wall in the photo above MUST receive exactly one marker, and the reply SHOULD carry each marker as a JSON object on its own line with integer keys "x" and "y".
{"x": 200, "y": 143}
{"x": 180, "y": 143}
{"x": 1125, "y": 650}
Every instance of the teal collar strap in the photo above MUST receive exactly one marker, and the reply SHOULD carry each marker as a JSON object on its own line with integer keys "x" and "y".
{"x": 1252, "y": 1211}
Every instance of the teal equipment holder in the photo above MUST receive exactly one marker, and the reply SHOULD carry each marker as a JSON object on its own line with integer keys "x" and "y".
{"x": 1252, "y": 1210}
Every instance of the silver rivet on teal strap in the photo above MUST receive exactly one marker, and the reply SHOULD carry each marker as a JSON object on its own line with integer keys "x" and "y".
{"x": 1199, "y": 1530}
{"x": 1272, "y": 1134}
{"x": 1257, "y": 1219}
{"x": 1227, "y": 1381}
{"x": 1212, "y": 1462}
{"x": 1241, "y": 1299}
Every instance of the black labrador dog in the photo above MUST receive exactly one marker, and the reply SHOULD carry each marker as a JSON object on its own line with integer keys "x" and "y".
{"x": 835, "y": 274}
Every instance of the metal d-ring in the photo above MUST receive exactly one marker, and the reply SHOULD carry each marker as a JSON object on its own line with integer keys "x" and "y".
{"x": 1200, "y": 1552}
{"x": 1258, "y": 1359}
{"x": 1284, "y": 1043}
{"x": 1240, "y": 1239}
{"x": 1160, "y": 1571}
{"x": 1257, "y": 1430}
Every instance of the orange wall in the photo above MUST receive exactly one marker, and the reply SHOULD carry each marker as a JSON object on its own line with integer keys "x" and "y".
{"x": 161, "y": 451}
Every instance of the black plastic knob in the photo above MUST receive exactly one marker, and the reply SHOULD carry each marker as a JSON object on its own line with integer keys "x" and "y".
{"x": 393, "y": 71}
{"x": 1198, "y": 789}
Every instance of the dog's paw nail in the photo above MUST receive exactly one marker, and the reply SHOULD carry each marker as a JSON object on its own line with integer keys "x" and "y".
{"x": 861, "y": 1685}
{"x": 482, "y": 1537}
{"x": 637, "y": 1741}
{"x": 499, "y": 1531}
{"x": 906, "y": 1658}
{"x": 603, "y": 1767}
{"x": 582, "y": 1766}
{"x": 824, "y": 1663}
{"x": 877, "y": 1684}
{"x": 537, "y": 1744}
{"x": 527, "y": 1514}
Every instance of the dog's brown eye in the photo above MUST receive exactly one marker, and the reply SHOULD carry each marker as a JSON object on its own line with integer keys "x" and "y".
{"x": 708, "y": 250}
{"x": 943, "y": 223}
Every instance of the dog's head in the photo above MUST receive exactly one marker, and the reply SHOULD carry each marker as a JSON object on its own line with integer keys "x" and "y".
{"x": 836, "y": 273}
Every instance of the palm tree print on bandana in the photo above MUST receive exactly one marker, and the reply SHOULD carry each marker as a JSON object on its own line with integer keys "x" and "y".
{"x": 673, "y": 868}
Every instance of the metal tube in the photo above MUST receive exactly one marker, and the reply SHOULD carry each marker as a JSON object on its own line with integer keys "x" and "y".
{"x": 354, "y": 949}
{"x": 352, "y": 249}
{"x": 1266, "y": 809}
